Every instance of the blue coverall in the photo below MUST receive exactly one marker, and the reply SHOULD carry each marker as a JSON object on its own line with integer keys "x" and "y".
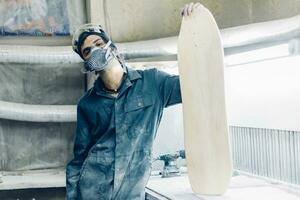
{"x": 114, "y": 136}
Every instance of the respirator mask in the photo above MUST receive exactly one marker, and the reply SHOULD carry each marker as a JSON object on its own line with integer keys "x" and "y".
{"x": 99, "y": 59}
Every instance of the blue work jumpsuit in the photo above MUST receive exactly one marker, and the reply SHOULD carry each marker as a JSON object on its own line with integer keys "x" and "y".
{"x": 114, "y": 136}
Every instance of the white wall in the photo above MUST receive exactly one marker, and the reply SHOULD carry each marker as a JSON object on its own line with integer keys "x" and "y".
{"x": 265, "y": 94}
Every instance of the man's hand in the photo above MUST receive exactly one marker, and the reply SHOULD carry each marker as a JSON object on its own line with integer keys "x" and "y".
{"x": 188, "y": 8}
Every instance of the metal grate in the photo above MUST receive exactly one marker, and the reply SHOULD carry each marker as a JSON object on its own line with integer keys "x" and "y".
{"x": 267, "y": 152}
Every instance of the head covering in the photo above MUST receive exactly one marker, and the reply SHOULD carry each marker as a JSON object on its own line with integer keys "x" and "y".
{"x": 83, "y": 32}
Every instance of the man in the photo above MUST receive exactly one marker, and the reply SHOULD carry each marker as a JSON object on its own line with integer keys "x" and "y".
{"x": 117, "y": 120}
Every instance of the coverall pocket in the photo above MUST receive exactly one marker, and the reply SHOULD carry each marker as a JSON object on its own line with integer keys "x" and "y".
{"x": 138, "y": 102}
{"x": 137, "y": 111}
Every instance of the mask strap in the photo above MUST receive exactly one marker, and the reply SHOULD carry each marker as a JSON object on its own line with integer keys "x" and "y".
{"x": 107, "y": 45}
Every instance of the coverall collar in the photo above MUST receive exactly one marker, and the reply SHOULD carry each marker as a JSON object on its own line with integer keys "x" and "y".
{"x": 131, "y": 75}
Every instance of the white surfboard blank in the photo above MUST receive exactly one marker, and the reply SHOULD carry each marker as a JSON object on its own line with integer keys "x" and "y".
{"x": 201, "y": 69}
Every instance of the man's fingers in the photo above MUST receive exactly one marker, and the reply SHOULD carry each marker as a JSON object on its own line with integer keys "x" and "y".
{"x": 182, "y": 11}
{"x": 185, "y": 10}
{"x": 190, "y": 8}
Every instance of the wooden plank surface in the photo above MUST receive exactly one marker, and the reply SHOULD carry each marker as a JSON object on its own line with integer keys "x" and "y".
{"x": 201, "y": 69}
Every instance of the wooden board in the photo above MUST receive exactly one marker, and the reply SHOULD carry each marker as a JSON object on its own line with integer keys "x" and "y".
{"x": 201, "y": 69}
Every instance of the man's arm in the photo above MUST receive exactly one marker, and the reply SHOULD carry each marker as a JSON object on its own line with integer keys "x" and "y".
{"x": 81, "y": 147}
{"x": 168, "y": 87}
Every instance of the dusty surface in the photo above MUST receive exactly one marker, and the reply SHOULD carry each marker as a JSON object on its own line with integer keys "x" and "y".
{"x": 242, "y": 187}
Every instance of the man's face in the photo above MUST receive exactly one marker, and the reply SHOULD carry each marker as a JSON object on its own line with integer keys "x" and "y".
{"x": 89, "y": 43}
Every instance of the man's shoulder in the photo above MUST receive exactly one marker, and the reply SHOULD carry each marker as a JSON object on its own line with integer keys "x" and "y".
{"x": 152, "y": 70}
{"x": 153, "y": 73}
{"x": 144, "y": 71}
{"x": 140, "y": 72}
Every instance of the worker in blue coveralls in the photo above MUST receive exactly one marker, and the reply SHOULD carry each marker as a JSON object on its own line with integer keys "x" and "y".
{"x": 117, "y": 120}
